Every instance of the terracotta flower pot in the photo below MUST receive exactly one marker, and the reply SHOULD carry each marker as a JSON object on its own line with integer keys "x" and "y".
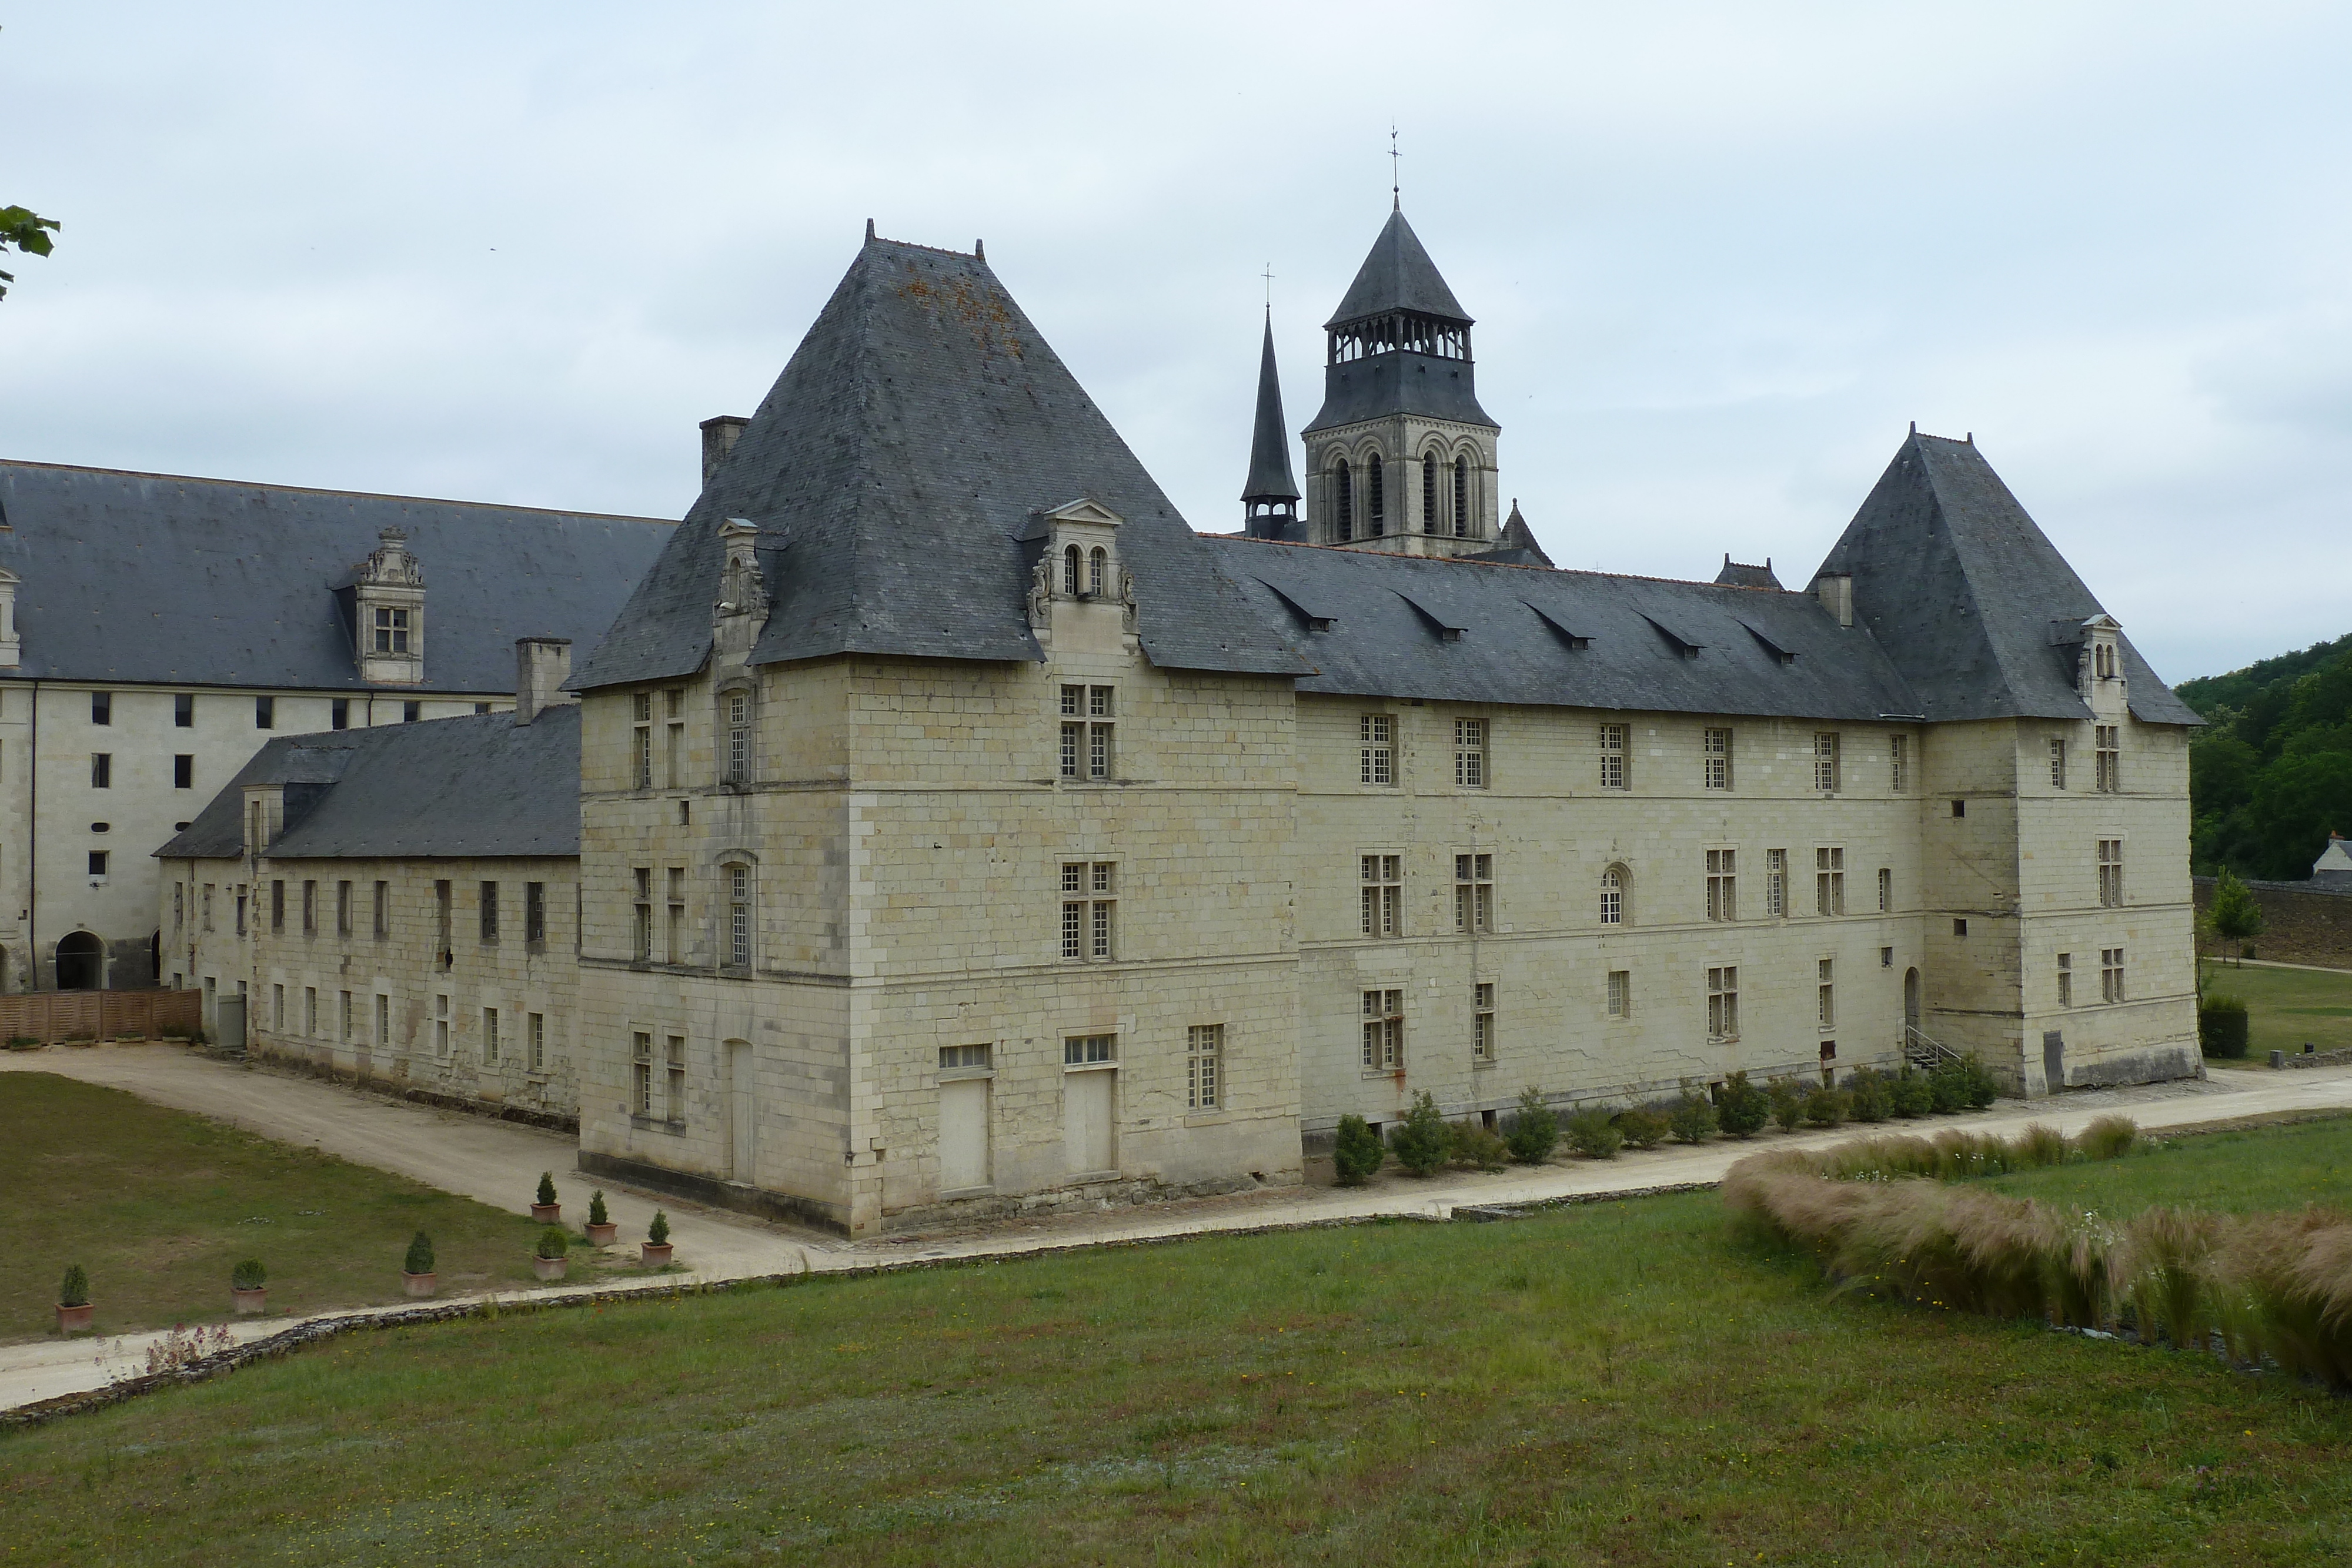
{"x": 654, "y": 1257}
{"x": 549, "y": 1268}
{"x": 420, "y": 1284}
{"x": 74, "y": 1320}
{"x": 602, "y": 1234}
{"x": 249, "y": 1303}
{"x": 547, "y": 1213}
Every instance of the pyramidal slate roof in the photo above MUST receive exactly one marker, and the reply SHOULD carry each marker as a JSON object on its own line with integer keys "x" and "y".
{"x": 1517, "y": 546}
{"x": 1271, "y": 477}
{"x": 1969, "y": 598}
{"x": 897, "y": 470}
{"x": 1396, "y": 275}
{"x": 178, "y": 581}
{"x": 480, "y": 785}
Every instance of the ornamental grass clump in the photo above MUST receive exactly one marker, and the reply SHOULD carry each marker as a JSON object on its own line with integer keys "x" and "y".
{"x": 1692, "y": 1118}
{"x": 1591, "y": 1134}
{"x": 2108, "y": 1138}
{"x": 1356, "y": 1151}
{"x": 1741, "y": 1108}
{"x": 248, "y": 1275}
{"x": 1642, "y": 1128}
{"x": 1422, "y": 1141}
{"x": 1533, "y": 1131}
{"x": 2037, "y": 1146}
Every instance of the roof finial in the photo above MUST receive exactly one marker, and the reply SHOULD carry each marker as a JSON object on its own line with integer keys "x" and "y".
{"x": 1396, "y": 174}
{"x": 979, "y": 251}
{"x": 1269, "y": 290}
{"x": 1914, "y": 428}
{"x": 869, "y": 228}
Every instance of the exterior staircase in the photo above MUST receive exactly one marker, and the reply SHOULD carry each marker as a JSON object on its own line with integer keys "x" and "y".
{"x": 1925, "y": 1052}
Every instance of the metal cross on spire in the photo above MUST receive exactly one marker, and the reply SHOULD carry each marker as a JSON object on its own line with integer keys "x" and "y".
{"x": 1396, "y": 171}
{"x": 1269, "y": 287}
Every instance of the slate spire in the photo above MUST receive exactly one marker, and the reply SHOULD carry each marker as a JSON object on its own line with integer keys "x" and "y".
{"x": 1270, "y": 495}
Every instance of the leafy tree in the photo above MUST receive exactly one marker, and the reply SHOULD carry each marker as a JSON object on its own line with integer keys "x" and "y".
{"x": 29, "y": 232}
{"x": 2233, "y": 914}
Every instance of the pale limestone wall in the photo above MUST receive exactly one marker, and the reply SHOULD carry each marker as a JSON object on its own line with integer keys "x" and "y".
{"x": 1401, "y": 440}
{"x": 285, "y": 968}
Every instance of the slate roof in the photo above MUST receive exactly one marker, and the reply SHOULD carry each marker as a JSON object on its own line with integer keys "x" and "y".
{"x": 1396, "y": 275}
{"x": 1575, "y": 639}
{"x": 1966, "y": 594}
{"x": 1517, "y": 546}
{"x": 480, "y": 785}
{"x": 1742, "y": 574}
{"x": 894, "y": 470}
{"x": 186, "y": 581}
{"x": 1270, "y": 474}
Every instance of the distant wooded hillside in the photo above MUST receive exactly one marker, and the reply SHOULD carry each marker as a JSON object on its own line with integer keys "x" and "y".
{"x": 2273, "y": 773}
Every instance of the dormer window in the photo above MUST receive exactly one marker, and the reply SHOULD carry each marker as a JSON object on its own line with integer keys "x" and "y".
{"x": 392, "y": 630}
{"x": 1070, "y": 571}
{"x": 1098, "y": 571}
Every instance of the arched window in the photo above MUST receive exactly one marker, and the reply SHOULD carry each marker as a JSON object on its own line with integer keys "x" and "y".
{"x": 1375, "y": 503}
{"x": 1099, "y": 571}
{"x": 1343, "y": 500}
{"x": 1614, "y": 884}
{"x": 1462, "y": 497}
{"x": 1429, "y": 520}
{"x": 735, "y": 938}
{"x": 1070, "y": 571}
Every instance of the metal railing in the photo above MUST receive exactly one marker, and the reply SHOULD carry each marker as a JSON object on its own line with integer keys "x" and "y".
{"x": 1925, "y": 1052}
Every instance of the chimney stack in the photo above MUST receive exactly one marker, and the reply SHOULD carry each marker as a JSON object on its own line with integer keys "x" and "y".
{"x": 1835, "y": 590}
{"x": 718, "y": 440}
{"x": 541, "y": 666}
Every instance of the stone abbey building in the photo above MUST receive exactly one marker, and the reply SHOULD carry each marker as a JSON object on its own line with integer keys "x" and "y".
{"x": 960, "y": 827}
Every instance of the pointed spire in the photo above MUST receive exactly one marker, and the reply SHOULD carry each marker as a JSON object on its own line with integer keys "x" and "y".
{"x": 1271, "y": 477}
{"x": 1396, "y": 275}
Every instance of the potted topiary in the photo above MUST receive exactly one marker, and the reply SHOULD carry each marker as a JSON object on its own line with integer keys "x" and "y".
{"x": 547, "y": 1260}
{"x": 73, "y": 1300}
{"x": 655, "y": 1249}
{"x": 545, "y": 1209}
{"x": 248, "y": 1282}
{"x": 601, "y": 1228}
{"x": 418, "y": 1268}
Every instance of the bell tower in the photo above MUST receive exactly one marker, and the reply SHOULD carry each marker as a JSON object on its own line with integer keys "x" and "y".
{"x": 1270, "y": 495}
{"x": 1401, "y": 457}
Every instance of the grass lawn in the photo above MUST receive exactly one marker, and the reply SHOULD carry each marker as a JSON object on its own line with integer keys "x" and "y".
{"x": 2285, "y": 1008}
{"x": 159, "y": 1206}
{"x": 1617, "y": 1383}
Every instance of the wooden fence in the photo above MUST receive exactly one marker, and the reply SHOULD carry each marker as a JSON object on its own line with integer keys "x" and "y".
{"x": 50, "y": 1016}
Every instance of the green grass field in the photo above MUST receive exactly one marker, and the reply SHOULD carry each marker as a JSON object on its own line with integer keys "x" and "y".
{"x": 2284, "y": 1008}
{"x": 160, "y": 1205}
{"x": 1617, "y": 1383}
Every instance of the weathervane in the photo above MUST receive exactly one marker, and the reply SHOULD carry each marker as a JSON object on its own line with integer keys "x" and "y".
{"x": 1396, "y": 171}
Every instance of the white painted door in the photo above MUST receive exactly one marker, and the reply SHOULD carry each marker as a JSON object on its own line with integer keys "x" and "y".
{"x": 743, "y": 1118}
{"x": 963, "y": 1134}
{"x": 1087, "y": 1144}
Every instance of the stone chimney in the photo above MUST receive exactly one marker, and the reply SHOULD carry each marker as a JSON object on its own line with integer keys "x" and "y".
{"x": 541, "y": 666}
{"x": 718, "y": 440}
{"x": 1835, "y": 590}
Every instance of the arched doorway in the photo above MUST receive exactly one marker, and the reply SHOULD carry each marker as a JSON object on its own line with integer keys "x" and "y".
{"x": 1910, "y": 999}
{"x": 81, "y": 961}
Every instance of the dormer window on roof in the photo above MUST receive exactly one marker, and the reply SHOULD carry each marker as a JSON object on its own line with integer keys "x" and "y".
{"x": 388, "y": 604}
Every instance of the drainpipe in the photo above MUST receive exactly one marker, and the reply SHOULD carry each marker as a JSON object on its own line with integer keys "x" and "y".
{"x": 33, "y": 845}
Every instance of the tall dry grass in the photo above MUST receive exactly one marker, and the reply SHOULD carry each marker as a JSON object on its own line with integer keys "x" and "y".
{"x": 1953, "y": 1155}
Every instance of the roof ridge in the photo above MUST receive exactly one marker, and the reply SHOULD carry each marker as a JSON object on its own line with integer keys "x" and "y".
{"x": 321, "y": 490}
{"x": 934, "y": 249}
{"x": 1499, "y": 565}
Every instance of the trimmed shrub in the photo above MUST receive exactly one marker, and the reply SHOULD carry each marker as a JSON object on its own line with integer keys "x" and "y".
{"x": 420, "y": 1255}
{"x": 23, "y": 1043}
{"x": 1741, "y": 1109}
{"x": 74, "y": 1291}
{"x": 248, "y": 1275}
{"x": 1422, "y": 1140}
{"x": 1913, "y": 1095}
{"x": 553, "y": 1243}
{"x": 1468, "y": 1143}
{"x": 2108, "y": 1138}
{"x": 1870, "y": 1094}
{"x": 1356, "y": 1151}
{"x": 596, "y": 1214}
{"x": 1642, "y": 1128}
{"x": 1787, "y": 1104}
{"x": 2222, "y": 1028}
{"x": 1827, "y": 1107}
{"x": 658, "y": 1231}
{"x": 1980, "y": 1087}
{"x": 1692, "y": 1119}
{"x": 1533, "y": 1131}
{"x": 546, "y": 1187}
{"x": 1591, "y": 1134}
{"x": 1948, "y": 1085}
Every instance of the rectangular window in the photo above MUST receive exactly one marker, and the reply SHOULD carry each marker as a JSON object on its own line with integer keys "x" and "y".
{"x": 1383, "y": 1030}
{"x": 641, "y": 757}
{"x": 444, "y": 902}
{"x": 1621, "y": 993}
{"x": 673, "y": 949}
{"x": 383, "y": 911}
{"x": 1073, "y": 748}
{"x": 1825, "y": 760}
{"x": 265, "y": 712}
{"x": 1715, "y": 756}
{"x": 1829, "y": 881}
{"x": 391, "y": 631}
{"x": 441, "y": 1027}
{"x": 101, "y": 771}
{"x": 178, "y": 906}
{"x": 343, "y": 1016}
{"x": 739, "y": 739}
{"x": 2065, "y": 979}
{"x": 489, "y": 1037}
{"x": 955, "y": 1057}
{"x": 1470, "y": 754}
{"x": 309, "y": 908}
{"x": 534, "y": 913}
{"x": 535, "y": 1040}
{"x": 1482, "y": 1022}
{"x": 1474, "y": 893}
{"x": 204, "y": 909}
{"x": 384, "y": 1022}
{"x": 489, "y": 913}
{"x": 1825, "y": 1008}
{"x": 1383, "y": 895}
{"x": 1204, "y": 1050}
{"x": 2111, "y": 873}
{"x": 183, "y": 710}
{"x": 1613, "y": 752}
{"x": 641, "y": 1058}
{"x": 1885, "y": 889}
{"x": 410, "y": 712}
{"x": 240, "y": 908}
{"x": 2107, "y": 739}
{"x": 98, "y": 862}
{"x": 1776, "y": 884}
{"x": 342, "y": 909}
{"x": 738, "y": 916}
{"x": 276, "y": 906}
{"x": 1723, "y": 1004}
{"x": 2111, "y": 974}
{"x": 339, "y": 713}
{"x": 1089, "y": 889}
{"x": 1086, "y": 747}
{"x": 277, "y": 1009}
{"x": 183, "y": 772}
{"x": 101, "y": 707}
{"x": 1089, "y": 1049}
{"x": 1898, "y": 763}
{"x": 1377, "y": 732}
{"x": 676, "y": 1063}
{"x": 643, "y": 944}
{"x": 2057, "y": 764}
{"x": 1722, "y": 884}
{"x": 310, "y": 1011}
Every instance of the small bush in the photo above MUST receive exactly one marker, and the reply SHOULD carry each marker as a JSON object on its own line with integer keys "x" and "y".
{"x": 1692, "y": 1120}
{"x": 658, "y": 1231}
{"x": 1741, "y": 1108}
{"x": 2108, "y": 1138}
{"x": 546, "y": 1187}
{"x": 1948, "y": 1086}
{"x": 1468, "y": 1143}
{"x": 248, "y": 1275}
{"x": 1787, "y": 1104}
{"x": 1913, "y": 1095}
{"x": 1593, "y": 1134}
{"x": 2222, "y": 1028}
{"x": 1827, "y": 1107}
{"x": 1980, "y": 1087}
{"x": 1533, "y": 1131}
{"x": 1643, "y": 1128}
{"x": 1872, "y": 1092}
{"x": 596, "y": 1215}
{"x": 1422, "y": 1140}
{"x": 1356, "y": 1152}
{"x": 553, "y": 1242}
{"x": 420, "y": 1255}
{"x": 74, "y": 1291}
{"x": 23, "y": 1043}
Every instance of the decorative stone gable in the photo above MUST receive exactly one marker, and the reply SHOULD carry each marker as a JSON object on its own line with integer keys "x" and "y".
{"x": 1079, "y": 567}
{"x": 388, "y": 604}
{"x": 742, "y": 607}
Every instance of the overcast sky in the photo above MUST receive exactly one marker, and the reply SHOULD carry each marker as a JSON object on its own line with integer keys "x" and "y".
{"x": 1720, "y": 255}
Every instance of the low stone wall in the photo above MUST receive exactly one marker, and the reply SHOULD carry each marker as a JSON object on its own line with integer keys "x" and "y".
{"x": 2301, "y": 923}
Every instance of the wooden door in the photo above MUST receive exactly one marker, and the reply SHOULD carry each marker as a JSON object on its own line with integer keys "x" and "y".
{"x": 1087, "y": 1139}
{"x": 963, "y": 1134}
